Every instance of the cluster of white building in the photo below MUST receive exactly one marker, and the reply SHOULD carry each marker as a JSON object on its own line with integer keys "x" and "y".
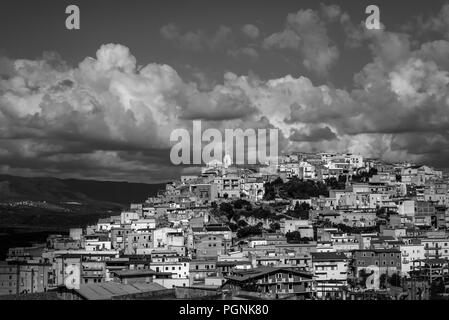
{"x": 174, "y": 239}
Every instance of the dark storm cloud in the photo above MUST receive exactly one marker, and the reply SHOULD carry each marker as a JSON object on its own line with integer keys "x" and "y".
{"x": 197, "y": 40}
{"x": 316, "y": 134}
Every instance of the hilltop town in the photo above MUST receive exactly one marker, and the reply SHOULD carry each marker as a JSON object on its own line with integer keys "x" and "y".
{"x": 311, "y": 226}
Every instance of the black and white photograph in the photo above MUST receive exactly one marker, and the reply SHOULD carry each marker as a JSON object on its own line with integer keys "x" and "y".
{"x": 224, "y": 155}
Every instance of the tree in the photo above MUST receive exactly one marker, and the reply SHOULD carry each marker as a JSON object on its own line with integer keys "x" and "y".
{"x": 242, "y": 223}
{"x": 271, "y": 189}
{"x": 301, "y": 211}
{"x": 295, "y": 237}
{"x": 382, "y": 280}
{"x": 275, "y": 226}
{"x": 226, "y": 208}
{"x": 240, "y": 203}
{"x": 248, "y": 231}
{"x": 233, "y": 227}
{"x": 331, "y": 182}
{"x": 296, "y": 188}
{"x": 437, "y": 287}
{"x": 228, "y": 211}
{"x": 364, "y": 176}
{"x": 395, "y": 280}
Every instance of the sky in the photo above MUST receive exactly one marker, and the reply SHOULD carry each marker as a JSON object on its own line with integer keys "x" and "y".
{"x": 101, "y": 102}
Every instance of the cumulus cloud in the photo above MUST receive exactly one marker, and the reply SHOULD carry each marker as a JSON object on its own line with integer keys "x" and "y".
{"x": 286, "y": 39}
{"x": 105, "y": 105}
{"x": 108, "y": 117}
{"x": 306, "y": 32}
{"x": 251, "y": 31}
{"x": 331, "y": 12}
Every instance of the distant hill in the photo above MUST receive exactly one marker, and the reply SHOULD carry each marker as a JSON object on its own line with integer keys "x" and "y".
{"x": 68, "y": 203}
{"x": 59, "y": 190}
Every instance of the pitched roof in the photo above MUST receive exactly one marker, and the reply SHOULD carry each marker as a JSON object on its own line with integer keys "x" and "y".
{"x": 109, "y": 290}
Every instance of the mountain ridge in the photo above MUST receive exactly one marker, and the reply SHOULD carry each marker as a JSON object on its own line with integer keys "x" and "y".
{"x": 52, "y": 189}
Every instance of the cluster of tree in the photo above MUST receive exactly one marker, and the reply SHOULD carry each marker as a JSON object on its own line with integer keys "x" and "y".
{"x": 260, "y": 213}
{"x": 241, "y": 207}
{"x": 383, "y": 281}
{"x": 301, "y": 211}
{"x": 334, "y": 183}
{"x": 295, "y": 237}
{"x": 249, "y": 231}
{"x": 436, "y": 288}
{"x": 395, "y": 280}
{"x": 364, "y": 176}
{"x": 275, "y": 226}
{"x": 295, "y": 188}
{"x": 227, "y": 210}
{"x": 233, "y": 226}
{"x": 242, "y": 204}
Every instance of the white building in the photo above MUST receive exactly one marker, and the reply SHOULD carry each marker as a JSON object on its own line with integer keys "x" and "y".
{"x": 410, "y": 253}
{"x": 143, "y": 224}
{"x": 331, "y": 272}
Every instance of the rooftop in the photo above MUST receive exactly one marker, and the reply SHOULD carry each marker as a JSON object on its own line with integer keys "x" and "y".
{"x": 109, "y": 290}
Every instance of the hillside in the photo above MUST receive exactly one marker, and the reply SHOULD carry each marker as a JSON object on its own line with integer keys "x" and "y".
{"x": 14, "y": 188}
{"x": 55, "y": 205}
